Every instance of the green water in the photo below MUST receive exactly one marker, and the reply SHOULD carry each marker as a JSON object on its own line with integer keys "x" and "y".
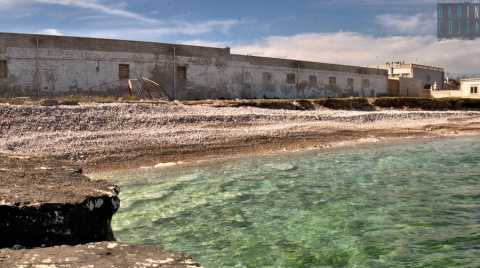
{"x": 409, "y": 205}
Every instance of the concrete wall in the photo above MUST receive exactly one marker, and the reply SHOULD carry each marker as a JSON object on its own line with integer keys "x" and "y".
{"x": 446, "y": 94}
{"x": 394, "y": 87}
{"x": 411, "y": 87}
{"x": 428, "y": 76}
{"x": 50, "y": 66}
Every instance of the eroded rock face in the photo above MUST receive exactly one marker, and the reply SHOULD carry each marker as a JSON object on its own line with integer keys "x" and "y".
{"x": 44, "y": 202}
{"x": 99, "y": 255}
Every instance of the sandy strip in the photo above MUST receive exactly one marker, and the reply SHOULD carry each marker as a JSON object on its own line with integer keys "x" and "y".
{"x": 113, "y": 136}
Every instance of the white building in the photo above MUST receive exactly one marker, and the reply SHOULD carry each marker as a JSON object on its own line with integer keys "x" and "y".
{"x": 413, "y": 80}
{"x": 469, "y": 88}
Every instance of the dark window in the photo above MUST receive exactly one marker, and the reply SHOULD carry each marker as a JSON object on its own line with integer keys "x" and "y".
{"x": 312, "y": 81}
{"x": 350, "y": 82}
{"x": 3, "y": 69}
{"x": 291, "y": 78}
{"x": 474, "y": 90}
{"x": 267, "y": 78}
{"x": 124, "y": 71}
{"x": 182, "y": 72}
{"x": 332, "y": 81}
{"x": 365, "y": 83}
{"x": 440, "y": 27}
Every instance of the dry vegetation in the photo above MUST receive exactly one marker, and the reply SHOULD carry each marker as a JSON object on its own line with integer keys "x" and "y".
{"x": 361, "y": 104}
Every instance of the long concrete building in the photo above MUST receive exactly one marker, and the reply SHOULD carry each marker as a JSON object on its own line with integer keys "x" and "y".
{"x": 40, "y": 65}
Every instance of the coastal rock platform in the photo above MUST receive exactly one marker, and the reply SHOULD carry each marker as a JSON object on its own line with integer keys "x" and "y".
{"x": 44, "y": 202}
{"x": 53, "y": 216}
{"x": 96, "y": 255}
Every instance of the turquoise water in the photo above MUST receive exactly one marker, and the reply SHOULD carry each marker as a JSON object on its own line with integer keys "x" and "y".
{"x": 407, "y": 205}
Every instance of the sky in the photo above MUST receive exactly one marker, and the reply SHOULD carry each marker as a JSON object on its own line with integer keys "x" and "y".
{"x": 355, "y": 32}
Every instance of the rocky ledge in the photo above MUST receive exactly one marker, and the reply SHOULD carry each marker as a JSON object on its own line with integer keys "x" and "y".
{"x": 44, "y": 202}
{"x": 99, "y": 255}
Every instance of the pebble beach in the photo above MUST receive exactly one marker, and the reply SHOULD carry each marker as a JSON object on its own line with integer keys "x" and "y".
{"x": 98, "y": 135}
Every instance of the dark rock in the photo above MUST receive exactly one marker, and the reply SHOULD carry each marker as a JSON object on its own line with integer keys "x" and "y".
{"x": 99, "y": 255}
{"x": 49, "y": 102}
{"x": 44, "y": 202}
{"x": 69, "y": 103}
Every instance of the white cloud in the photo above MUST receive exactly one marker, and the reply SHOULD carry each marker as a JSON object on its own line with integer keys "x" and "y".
{"x": 157, "y": 31}
{"x": 50, "y": 31}
{"x": 363, "y": 50}
{"x": 9, "y": 4}
{"x": 421, "y": 23}
{"x": 134, "y": 25}
{"x": 95, "y": 5}
{"x": 204, "y": 43}
{"x": 379, "y": 3}
{"x": 203, "y": 27}
{"x": 118, "y": 10}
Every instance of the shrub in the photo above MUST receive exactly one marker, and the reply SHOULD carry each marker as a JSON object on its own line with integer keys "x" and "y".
{"x": 349, "y": 104}
{"x": 413, "y": 103}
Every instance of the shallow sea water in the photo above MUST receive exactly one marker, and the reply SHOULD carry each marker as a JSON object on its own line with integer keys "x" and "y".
{"x": 405, "y": 205}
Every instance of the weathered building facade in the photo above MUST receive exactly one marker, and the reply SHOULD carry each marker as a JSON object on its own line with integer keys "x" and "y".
{"x": 413, "y": 80}
{"x": 39, "y": 65}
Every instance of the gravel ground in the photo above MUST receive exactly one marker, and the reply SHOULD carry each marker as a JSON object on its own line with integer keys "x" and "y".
{"x": 122, "y": 132}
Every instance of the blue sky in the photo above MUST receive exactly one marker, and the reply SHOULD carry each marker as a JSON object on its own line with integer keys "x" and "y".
{"x": 234, "y": 22}
{"x": 358, "y": 32}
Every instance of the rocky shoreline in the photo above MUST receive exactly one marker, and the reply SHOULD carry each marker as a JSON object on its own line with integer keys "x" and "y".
{"x": 96, "y": 255}
{"x": 53, "y": 216}
{"x": 99, "y": 136}
{"x": 46, "y": 203}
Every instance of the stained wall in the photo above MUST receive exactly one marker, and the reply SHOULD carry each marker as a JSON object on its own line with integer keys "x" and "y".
{"x": 38, "y": 65}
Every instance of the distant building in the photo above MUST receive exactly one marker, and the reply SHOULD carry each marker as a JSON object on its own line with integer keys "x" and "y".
{"x": 458, "y": 19}
{"x": 413, "y": 80}
{"x": 469, "y": 88}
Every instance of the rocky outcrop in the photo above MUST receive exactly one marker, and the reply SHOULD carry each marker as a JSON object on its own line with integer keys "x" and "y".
{"x": 51, "y": 215}
{"x": 44, "y": 203}
{"x": 99, "y": 255}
